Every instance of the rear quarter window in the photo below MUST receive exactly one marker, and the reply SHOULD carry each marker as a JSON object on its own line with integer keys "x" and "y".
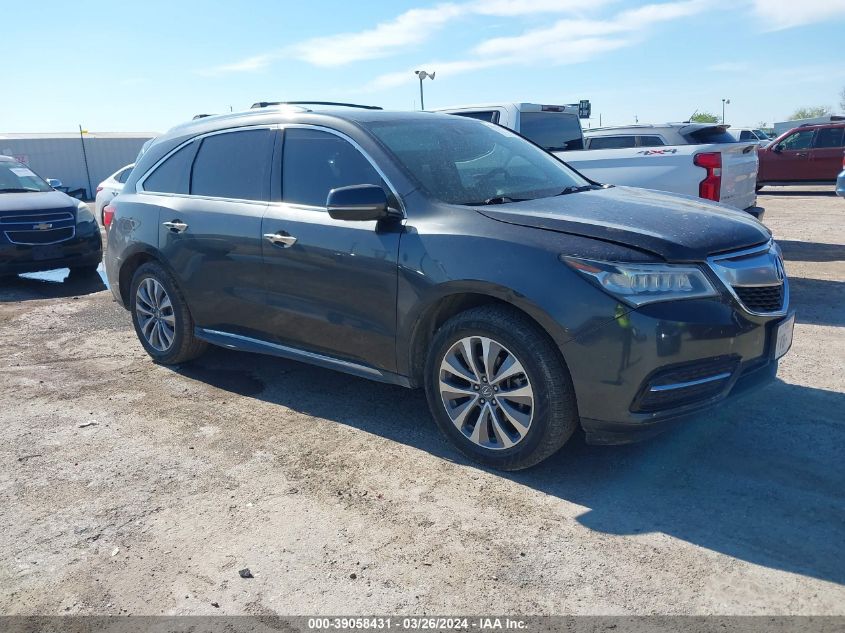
{"x": 829, "y": 137}
{"x": 172, "y": 175}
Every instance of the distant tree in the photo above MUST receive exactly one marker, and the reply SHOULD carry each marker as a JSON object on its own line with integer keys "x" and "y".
{"x": 704, "y": 117}
{"x": 842, "y": 99}
{"x": 810, "y": 113}
{"x": 762, "y": 125}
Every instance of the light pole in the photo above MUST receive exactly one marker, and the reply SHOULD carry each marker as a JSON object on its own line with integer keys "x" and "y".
{"x": 724, "y": 101}
{"x": 422, "y": 75}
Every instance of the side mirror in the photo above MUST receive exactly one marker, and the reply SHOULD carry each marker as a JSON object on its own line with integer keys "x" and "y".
{"x": 358, "y": 203}
{"x": 55, "y": 183}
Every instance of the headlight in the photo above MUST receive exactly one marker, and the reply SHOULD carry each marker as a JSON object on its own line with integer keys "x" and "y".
{"x": 638, "y": 284}
{"x": 83, "y": 214}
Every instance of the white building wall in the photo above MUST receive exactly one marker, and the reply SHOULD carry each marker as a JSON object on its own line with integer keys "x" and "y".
{"x": 61, "y": 157}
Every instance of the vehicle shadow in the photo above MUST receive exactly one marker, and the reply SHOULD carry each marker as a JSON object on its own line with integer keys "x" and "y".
{"x": 794, "y": 251}
{"x": 768, "y": 191}
{"x": 52, "y": 284}
{"x": 818, "y": 301}
{"x": 759, "y": 480}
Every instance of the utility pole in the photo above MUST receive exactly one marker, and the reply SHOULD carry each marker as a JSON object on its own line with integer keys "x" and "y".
{"x": 724, "y": 101}
{"x": 422, "y": 75}
{"x": 85, "y": 160}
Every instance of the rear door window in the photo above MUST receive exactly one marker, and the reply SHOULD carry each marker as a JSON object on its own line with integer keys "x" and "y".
{"x": 613, "y": 142}
{"x": 746, "y": 135}
{"x": 553, "y": 131}
{"x": 173, "y": 174}
{"x": 315, "y": 162}
{"x": 650, "y": 141}
{"x": 829, "y": 137}
{"x": 491, "y": 116}
{"x": 234, "y": 165}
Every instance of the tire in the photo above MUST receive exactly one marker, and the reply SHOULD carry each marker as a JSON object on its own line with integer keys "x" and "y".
{"x": 170, "y": 341}
{"x": 551, "y": 411}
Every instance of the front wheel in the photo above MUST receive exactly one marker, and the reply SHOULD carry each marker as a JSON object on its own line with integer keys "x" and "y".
{"x": 499, "y": 389}
{"x": 161, "y": 317}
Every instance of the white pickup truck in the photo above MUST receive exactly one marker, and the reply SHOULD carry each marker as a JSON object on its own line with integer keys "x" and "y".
{"x": 696, "y": 159}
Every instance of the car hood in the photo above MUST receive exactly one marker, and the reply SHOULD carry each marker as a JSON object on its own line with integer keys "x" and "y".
{"x": 674, "y": 227}
{"x": 36, "y": 201}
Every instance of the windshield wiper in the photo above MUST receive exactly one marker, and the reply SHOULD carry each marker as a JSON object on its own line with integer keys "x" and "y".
{"x": 18, "y": 190}
{"x": 495, "y": 200}
{"x": 575, "y": 189}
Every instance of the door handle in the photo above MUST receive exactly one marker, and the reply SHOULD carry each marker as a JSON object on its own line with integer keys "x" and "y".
{"x": 280, "y": 239}
{"x": 177, "y": 226}
{"x": 802, "y": 154}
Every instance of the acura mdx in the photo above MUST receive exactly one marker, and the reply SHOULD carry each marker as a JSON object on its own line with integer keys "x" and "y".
{"x": 433, "y": 251}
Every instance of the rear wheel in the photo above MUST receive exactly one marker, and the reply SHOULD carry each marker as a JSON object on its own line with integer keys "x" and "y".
{"x": 499, "y": 389}
{"x": 161, "y": 317}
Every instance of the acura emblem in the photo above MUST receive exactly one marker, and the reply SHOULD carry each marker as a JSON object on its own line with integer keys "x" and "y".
{"x": 42, "y": 227}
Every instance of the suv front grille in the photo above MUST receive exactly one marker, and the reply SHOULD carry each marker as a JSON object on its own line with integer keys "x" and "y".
{"x": 761, "y": 298}
{"x": 39, "y": 226}
{"x": 756, "y": 279}
{"x": 49, "y": 236}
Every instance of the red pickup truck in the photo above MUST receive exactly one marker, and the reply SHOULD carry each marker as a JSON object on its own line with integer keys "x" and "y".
{"x": 810, "y": 154}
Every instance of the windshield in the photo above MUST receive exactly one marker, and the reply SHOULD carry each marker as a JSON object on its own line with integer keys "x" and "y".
{"x": 463, "y": 161}
{"x": 553, "y": 131}
{"x": 762, "y": 135}
{"x": 16, "y": 177}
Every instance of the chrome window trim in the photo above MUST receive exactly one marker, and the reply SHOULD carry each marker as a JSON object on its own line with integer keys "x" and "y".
{"x": 139, "y": 185}
{"x": 712, "y": 264}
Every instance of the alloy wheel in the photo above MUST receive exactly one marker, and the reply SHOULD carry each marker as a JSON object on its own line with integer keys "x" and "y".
{"x": 486, "y": 392}
{"x": 154, "y": 311}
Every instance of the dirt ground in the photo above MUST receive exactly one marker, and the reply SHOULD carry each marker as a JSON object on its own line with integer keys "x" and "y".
{"x": 130, "y": 488}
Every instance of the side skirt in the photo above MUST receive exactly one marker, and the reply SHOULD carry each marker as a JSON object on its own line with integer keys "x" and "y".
{"x": 248, "y": 344}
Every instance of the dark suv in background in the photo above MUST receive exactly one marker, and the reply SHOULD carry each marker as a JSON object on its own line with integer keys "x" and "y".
{"x": 41, "y": 228}
{"x": 429, "y": 250}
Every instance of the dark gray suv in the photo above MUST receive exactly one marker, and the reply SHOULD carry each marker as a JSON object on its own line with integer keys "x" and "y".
{"x": 435, "y": 251}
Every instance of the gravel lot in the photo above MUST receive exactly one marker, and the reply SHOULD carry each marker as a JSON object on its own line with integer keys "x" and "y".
{"x": 130, "y": 488}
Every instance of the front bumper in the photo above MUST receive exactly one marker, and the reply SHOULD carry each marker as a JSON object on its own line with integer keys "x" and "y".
{"x": 627, "y": 372}
{"x": 84, "y": 249}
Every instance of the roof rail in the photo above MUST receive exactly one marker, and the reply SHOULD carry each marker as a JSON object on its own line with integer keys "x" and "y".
{"x": 265, "y": 104}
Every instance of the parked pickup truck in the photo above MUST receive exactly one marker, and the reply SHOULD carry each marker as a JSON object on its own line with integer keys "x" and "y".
{"x": 697, "y": 159}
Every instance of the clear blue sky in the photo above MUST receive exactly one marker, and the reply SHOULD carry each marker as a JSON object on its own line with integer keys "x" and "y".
{"x": 147, "y": 66}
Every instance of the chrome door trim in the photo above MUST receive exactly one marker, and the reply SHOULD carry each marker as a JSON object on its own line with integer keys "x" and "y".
{"x": 249, "y": 344}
